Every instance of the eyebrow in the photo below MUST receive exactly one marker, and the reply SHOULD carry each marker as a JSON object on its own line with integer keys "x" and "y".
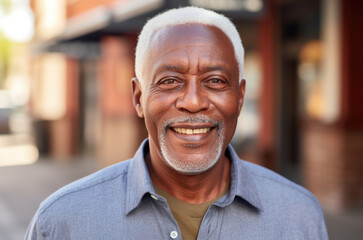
{"x": 202, "y": 69}
{"x": 174, "y": 68}
{"x": 210, "y": 68}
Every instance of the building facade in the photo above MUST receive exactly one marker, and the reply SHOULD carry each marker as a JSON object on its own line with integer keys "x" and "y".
{"x": 302, "y": 115}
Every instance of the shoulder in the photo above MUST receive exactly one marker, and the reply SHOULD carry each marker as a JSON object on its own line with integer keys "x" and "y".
{"x": 279, "y": 191}
{"x": 81, "y": 203}
{"x": 94, "y": 184}
{"x": 287, "y": 205}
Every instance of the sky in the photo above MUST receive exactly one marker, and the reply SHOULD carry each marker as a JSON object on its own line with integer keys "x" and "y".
{"x": 17, "y": 24}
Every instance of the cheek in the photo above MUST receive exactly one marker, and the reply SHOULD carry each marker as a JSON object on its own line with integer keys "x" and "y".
{"x": 157, "y": 107}
{"x": 227, "y": 105}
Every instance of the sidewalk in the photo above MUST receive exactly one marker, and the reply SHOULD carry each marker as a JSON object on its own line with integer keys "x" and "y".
{"x": 22, "y": 188}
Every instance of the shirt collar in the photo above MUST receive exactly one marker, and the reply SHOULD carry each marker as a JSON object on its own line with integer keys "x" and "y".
{"x": 138, "y": 179}
{"x": 242, "y": 183}
{"x": 139, "y": 182}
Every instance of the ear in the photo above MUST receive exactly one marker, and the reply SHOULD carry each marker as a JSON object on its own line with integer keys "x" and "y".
{"x": 242, "y": 89}
{"x": 136, "y": 96}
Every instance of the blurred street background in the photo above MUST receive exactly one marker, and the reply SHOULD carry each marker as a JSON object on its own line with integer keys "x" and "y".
{"x": 66, "y": 108}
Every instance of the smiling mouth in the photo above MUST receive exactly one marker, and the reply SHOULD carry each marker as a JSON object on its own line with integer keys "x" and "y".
{"x": 189, "y": 131}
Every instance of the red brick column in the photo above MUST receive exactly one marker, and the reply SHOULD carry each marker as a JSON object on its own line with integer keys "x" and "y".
{"x": 121, "y": 129}
{"x": 333, "y": 165}
{"x": 64, "y": 132}
{"x": 266, "y": 145}
{"x": 333, "y": 161}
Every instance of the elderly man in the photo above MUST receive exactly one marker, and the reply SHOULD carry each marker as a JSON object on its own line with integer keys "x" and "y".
{"x": 185, "y": 181}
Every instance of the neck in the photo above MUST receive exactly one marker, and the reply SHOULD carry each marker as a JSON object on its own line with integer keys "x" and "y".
{"x": 194, "y": 189}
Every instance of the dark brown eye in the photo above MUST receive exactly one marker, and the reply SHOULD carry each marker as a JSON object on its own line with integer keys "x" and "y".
{"x": 215, "y": 83}
{"x": 169, "y": 83}
{"x": 215, "y": 80}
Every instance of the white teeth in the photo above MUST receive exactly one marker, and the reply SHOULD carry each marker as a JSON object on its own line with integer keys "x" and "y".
{"x": 189, "y": 131}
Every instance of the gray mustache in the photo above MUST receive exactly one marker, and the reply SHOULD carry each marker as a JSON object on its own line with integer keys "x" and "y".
{"x": 191, "y": 119}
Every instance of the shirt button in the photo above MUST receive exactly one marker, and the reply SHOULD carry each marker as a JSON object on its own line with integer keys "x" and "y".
{"x": 154, "y": 197}
{"x": 174, "y": 234}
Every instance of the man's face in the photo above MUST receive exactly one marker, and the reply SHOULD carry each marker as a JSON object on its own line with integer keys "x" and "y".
{"x": 191, "y": 97}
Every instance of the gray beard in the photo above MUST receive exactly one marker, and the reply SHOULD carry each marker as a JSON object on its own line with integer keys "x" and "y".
{"x": 192, "y": 167}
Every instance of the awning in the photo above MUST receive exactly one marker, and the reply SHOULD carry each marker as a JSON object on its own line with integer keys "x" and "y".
{"x": 124, "y": 17}
{"x": 128, "y": 16}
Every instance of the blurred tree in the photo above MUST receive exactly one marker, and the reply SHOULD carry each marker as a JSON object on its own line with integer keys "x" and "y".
{"x": 5, "y": 48}
{"x": 5, "y": 45}
{"x": 5, "y": 5}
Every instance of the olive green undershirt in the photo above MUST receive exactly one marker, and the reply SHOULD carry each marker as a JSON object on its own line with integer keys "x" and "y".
{"x": 188, "y": 216}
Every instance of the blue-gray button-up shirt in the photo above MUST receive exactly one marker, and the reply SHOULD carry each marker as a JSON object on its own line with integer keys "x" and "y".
{"x": 119, "y": 202}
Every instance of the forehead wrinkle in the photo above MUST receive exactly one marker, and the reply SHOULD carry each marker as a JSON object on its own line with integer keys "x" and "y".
{"x": 207, "y": 64}
{"x": 174, "y": 64}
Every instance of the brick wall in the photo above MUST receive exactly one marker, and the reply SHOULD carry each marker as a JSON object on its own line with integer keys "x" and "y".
{"x": 333, "y": 165}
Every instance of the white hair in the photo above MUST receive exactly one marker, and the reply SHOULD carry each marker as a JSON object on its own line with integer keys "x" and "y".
{"x": 183, "y": 16}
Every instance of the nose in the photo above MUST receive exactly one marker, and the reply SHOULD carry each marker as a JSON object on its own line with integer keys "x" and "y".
{"x": 193, "y": 98}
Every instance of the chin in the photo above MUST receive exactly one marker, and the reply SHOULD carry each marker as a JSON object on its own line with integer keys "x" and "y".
{"x": 193, "y": 163}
